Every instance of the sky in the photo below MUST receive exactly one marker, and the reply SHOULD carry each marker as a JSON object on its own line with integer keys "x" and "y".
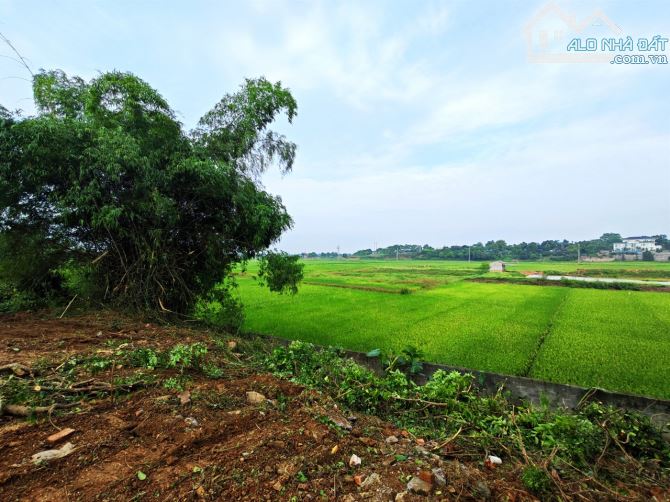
{"x": 421, "y": 122}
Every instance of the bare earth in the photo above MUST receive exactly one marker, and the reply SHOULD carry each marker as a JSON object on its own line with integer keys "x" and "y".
{"x": 216, "y": 445}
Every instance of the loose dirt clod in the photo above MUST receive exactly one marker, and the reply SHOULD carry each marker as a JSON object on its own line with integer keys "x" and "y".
{"x": 254, "y": 397}
{"x": 371, "y": 481}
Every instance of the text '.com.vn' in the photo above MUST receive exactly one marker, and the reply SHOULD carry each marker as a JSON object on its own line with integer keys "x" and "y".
{"x": 642, "y": 45}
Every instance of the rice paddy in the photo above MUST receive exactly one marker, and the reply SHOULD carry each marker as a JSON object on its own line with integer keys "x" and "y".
{"x": 618, "y": 340}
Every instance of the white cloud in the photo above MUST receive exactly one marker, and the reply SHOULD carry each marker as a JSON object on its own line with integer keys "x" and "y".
{"x": 561, "y": 182}
{"x": 344, "y": 49}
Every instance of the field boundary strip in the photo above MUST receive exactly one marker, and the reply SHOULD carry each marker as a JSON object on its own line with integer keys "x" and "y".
{"x": 353, "y": 286}
{"x": 545, "y": 334}
{"x": 574, "y": 284}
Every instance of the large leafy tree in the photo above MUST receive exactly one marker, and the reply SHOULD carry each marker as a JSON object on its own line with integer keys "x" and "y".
{"x": 104, "y": 179}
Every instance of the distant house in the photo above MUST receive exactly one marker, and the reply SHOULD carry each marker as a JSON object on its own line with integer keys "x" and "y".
{"x": 497, "y": 266}
{"x": 636, "y": 245}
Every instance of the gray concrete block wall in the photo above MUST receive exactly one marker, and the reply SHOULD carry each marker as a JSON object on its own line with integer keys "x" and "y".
{"x": 522, "y": 389}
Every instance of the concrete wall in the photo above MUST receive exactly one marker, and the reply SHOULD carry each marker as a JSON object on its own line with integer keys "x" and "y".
{"x": 539, "y": 391}
{"x": 521, "y": 389}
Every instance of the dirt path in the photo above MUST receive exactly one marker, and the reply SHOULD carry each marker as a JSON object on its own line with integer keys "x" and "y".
{"x": 609, "y": 280}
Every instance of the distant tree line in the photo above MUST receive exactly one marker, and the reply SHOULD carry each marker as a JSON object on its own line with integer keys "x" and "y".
{"x": 498, "y": 250}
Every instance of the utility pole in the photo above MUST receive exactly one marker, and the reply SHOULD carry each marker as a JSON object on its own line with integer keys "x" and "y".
{"x": 579, "y": 252}
{"x": 469, "y": 253}
{"x": 338, "y": 250}
{"x": 397, "y": 252}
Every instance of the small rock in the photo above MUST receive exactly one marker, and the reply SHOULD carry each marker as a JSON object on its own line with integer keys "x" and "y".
{"x": 399, "y": 497}
{"x": 371, "y": 481}
{"x": 277, "y": 486}
{"x": 482, "y": 490}
{"x": 287, "y": 468}
{"x": 61, "y": 434}
{"x": 420, "y": 441}
{"x": 232, "y": 344}
{"x": 334, "y": 449}
{"x": 255, "y": 397}
{"x": 355, "y": 461}
{"x": 139, "y": 412}
{"x": 277, "y": 443}
{"x": 391, "y": 439}
{"x": 185, "y": 398}
{"x": 47, "y": 455}
{"x": 340, "y": 421}
{"x": 495, "y": 460}
{"x": 191, "y": 422}
{"x": 358, "y": 479}
{"x": 439, "y": 477}
{"x": 419, "y": 486}
{"x": 492, "y": 461}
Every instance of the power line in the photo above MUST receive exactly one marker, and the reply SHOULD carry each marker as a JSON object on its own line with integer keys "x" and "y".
{"x": 21, "y": 60}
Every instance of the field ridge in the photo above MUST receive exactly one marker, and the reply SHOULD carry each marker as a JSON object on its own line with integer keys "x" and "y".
{"x": 545, "y": 334}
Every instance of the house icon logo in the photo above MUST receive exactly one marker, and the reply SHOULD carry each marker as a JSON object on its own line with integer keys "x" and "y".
{"x": 550, "y": 30}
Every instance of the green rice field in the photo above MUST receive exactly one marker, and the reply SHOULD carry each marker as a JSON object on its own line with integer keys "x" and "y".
{"x": 618, "y": 340}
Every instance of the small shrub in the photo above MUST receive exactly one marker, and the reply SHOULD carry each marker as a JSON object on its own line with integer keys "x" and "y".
{"x": 143, "y": 358}
{"x": 212, "y": 371}
{"x": 173, "y": 383}
{"x": 97, "y": 364}
{"x": 409, "y": 361}
{"x": 186, "y": 356}
{"x": 221, "y": 308}
{"x": 536, "y": 479}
